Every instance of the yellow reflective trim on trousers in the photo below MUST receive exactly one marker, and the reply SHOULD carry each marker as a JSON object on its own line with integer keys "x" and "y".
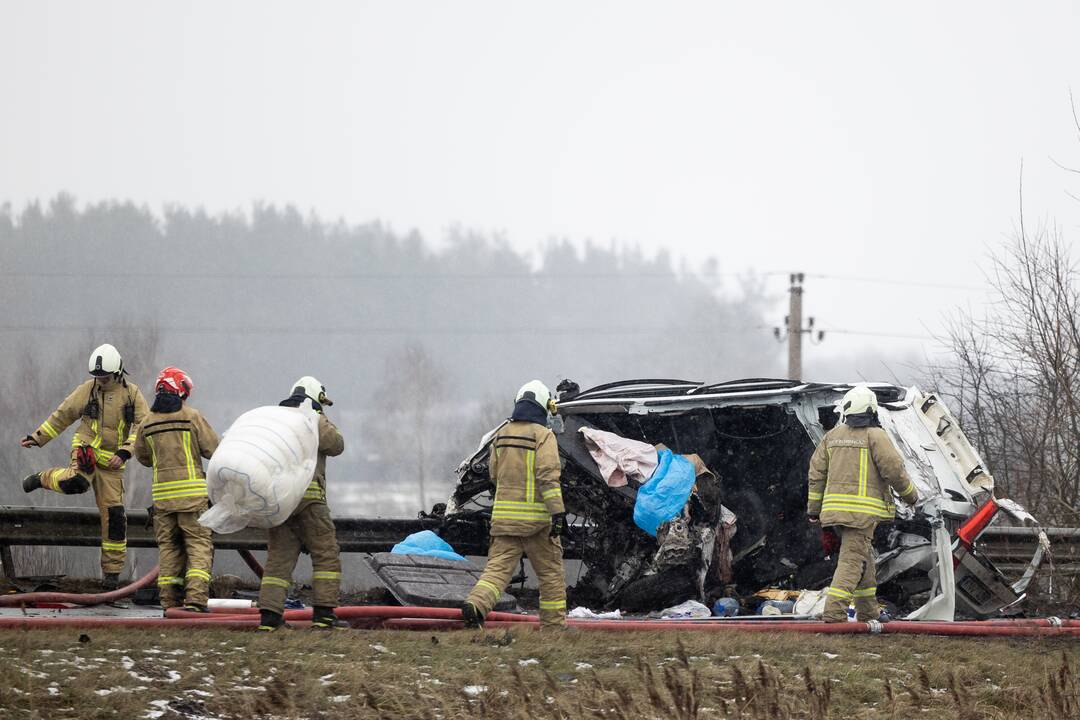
{"x": 49, "y": 429}
{"x": 841, "y": 594}
{"x": 169, "y": 580}
{"x": 494, "y": 590}
{"x": 863, "y": 457}
{"x": 866, "y": 592}
{"x": 325, "y": 575}
{"x": 109, "y": 545}
{"x": 275, "y": 581}
{"x": 553, "y": 604}
{"x": 198, "y": 573}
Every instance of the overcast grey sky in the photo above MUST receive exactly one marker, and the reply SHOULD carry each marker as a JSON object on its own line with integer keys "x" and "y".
{"x": 849, "y": 139}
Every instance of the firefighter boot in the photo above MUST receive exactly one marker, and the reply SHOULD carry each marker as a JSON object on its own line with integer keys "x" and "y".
{"x": 31, "y": 483}
{"x": 323, "y": 618}
{"x": 269, "y": 621}
{"x": 192, "y": 607}
{"x": 110, "y": 581}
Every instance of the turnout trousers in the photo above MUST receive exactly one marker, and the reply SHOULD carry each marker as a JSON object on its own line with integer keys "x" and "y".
{"x": 309, "y": 528}
{"x": 855, "y": 578}
{"x": 504, "y": 554}
{"x": 186, "y": 557}
{"x": 108, "y": 487}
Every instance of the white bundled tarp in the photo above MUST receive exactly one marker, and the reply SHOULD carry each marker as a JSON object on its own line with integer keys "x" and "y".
{"x": 262, "y": 467}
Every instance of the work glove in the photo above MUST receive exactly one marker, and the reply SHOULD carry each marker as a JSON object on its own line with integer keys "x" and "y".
{"x": 558, "y": 524}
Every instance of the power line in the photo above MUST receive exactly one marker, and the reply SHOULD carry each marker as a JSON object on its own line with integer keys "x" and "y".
{"x": 278, "y": 330}
{"x": 893, "y": 281}
{"x": 873, "y": 333}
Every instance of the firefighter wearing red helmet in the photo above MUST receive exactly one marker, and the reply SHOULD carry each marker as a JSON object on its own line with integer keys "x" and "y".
{"x": 110, "y": 410}
{"x": 173, "y": 441}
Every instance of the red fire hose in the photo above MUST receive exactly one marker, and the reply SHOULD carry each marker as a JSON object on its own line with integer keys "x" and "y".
{"x": 17, "y": 599}
{"x": 414, "y": 619}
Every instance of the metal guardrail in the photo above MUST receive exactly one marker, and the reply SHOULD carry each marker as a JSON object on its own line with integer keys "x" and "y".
{"x": 1009, "y": 548}
{"x": 81, "y": 527}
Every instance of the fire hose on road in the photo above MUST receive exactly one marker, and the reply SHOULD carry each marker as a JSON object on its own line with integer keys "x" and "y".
{"x": 426, "y": 619}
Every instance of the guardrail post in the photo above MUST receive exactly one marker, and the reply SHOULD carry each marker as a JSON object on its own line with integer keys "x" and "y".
{"x": 7, "y": 562}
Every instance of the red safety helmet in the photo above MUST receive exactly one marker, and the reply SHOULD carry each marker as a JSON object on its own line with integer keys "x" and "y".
{"x": 175, "y": 381}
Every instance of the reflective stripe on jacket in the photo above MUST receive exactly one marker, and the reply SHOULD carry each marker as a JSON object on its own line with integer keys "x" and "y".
{"x": 331, "y": 444}
{"x": 851, "y": 472}
{"x": 524, "y": 465}
{"x": 107, "y": 433}
{"x": 173, "y": 444}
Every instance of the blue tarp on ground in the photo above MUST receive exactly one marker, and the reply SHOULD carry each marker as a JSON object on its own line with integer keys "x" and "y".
{"x": 665, "y": 494}
{"x": 427, "y": 543}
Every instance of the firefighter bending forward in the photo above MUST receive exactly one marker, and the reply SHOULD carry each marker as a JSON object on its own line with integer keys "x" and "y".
{"x": 110, "y": 409}
{"x": 528, "y": 515}
{"x": 309, "y": 527}
{"x": 173, "y": 441}
{"x": 851, "y": 472}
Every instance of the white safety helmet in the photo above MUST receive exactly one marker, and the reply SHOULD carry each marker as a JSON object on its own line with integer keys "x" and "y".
{"x": 313, "y": 389}
{"x": 537, "y": 392}
{"x": 858, "y": 400}
{"x": 105, "y": 360}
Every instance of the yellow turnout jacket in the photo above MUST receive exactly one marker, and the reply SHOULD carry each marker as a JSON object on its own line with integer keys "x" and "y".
{"x": 851, "y": 472}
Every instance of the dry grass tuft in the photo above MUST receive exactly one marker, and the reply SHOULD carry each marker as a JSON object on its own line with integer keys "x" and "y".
{"x": 523, "y": 674}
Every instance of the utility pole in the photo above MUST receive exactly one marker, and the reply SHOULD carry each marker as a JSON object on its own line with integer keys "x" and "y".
{"x": 793, "y": 327}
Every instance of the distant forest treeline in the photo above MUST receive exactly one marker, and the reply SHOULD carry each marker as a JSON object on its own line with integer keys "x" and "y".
{"x": 420, "y": 344}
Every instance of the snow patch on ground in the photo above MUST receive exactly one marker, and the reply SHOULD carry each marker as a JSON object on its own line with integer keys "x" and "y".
{"x": 474, "y": 690}
{"x": 528, "y": 661}
{"x": 830, "y": 656}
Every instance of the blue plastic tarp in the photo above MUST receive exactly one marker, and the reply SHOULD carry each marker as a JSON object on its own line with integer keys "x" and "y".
{"x": 427, "y": 543}
{"x": 665, "y": 494}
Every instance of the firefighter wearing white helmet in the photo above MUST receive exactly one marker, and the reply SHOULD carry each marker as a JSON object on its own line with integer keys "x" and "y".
{"x": 528, "y": 516}
{"x": 109, "y": 410}
{"x": 851, "y": 473}
{"x": 309, "y": 527}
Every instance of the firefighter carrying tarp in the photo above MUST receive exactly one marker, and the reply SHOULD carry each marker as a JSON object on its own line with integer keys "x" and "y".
{"x": 310, "y": 527}
{"x": 173, "y": 440}
{"x": 851, "y": 472}
{"x": 110, "y": 409}
{"x": 528, "y": 514}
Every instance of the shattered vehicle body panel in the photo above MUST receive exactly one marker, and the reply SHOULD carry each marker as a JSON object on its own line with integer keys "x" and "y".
{"x": 756, "y": 437}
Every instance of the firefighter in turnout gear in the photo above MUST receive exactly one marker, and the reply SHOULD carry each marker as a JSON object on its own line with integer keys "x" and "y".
{"x": 309, "y": 528}
{"x": 173, "y": 440}
{"x": 110, "y": 410}
{"x": 528, "y": 514}
{"x": 851, "y": 472}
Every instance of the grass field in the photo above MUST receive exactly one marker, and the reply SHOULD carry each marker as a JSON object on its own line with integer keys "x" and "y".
{"x": 525, "y": 674}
